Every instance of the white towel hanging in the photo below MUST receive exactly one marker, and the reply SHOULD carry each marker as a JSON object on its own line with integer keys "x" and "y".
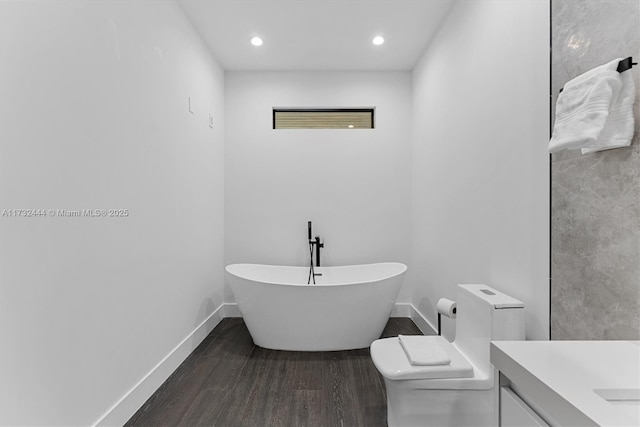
{"x": 619, "y": 127}
{"x": 595, "y": 111}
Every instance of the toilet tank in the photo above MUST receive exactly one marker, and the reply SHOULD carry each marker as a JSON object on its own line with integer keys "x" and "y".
{"x": 485, "y": 314}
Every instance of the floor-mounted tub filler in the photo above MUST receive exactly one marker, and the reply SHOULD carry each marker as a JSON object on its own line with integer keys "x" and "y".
{"x": 347, "y": 308}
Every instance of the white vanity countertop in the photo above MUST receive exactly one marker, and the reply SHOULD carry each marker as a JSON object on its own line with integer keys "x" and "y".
{"x": 561, "y": 376}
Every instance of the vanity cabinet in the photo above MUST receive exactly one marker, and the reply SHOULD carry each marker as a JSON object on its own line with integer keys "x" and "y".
{"x": 514, "y": 412}
{"x": 568, "y": 383}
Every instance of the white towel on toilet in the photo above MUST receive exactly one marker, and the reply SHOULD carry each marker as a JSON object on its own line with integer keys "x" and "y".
{"x": 421, "y": 350}
{"x": 595, "y": 111}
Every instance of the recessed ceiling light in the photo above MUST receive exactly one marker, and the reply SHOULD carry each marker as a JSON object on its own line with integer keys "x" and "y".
{"x": 350, "y": 126}
{"x": 256, "y": 41}
{"x": 378, "y": 40}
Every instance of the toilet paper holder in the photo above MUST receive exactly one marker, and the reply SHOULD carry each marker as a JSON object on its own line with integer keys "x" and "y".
{"x": 448, "y": 308}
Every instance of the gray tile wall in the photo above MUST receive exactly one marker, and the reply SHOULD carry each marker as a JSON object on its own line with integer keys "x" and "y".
{"x": 595, "y": 208}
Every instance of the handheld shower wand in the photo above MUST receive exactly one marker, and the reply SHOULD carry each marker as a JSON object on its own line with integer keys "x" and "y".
{"x": 318, "y": 244}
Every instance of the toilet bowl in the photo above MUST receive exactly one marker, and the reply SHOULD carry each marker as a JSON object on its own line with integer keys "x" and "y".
{"x": 463, "y": 392}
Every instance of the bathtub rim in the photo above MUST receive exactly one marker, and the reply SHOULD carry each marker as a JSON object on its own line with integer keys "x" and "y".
{"x": 402, "y": 270}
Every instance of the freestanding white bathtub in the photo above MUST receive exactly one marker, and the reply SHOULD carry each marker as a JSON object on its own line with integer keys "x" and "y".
{"x": 347, "y": 308}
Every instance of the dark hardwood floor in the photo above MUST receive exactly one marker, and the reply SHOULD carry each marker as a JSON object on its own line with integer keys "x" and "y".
{"x": 228, "y": 381}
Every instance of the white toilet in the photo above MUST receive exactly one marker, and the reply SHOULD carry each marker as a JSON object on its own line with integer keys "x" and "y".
{"x": 463, "y": 392}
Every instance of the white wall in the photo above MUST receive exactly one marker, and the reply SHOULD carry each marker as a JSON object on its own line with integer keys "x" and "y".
{"x": 93, "y": 114}
{"x": 480, "y": 197}
{"x": 353, "y": 184}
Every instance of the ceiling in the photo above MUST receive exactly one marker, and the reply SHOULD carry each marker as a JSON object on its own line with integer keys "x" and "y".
{"x": 316, "y": 34}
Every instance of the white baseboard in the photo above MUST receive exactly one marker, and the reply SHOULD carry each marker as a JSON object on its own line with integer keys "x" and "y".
{"x": 231, "y": 309}
{"x": 401, "y": 309}
{"x": 406, "y": 309}
{"x": 422, "y": 323}
{"x": 124, "y": 409}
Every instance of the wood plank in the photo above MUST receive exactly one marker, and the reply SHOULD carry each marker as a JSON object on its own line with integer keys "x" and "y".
{"x": 303, "y": 370}
{"x": 400, "y": 325}
{"x": 344, "y": 407}
{"x": 305, "y": 408}
{"x": 173, "y": 399}
{"x": 204, "y": 410}
{"x": 228, "y": 381}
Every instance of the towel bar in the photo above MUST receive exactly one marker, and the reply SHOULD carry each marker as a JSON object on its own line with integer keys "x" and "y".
{"x": 623, "y": 66}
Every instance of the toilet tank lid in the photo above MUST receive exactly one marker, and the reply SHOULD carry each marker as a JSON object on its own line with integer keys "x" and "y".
{"x": 495, "y": 298}
{"x": 391, "y": 361}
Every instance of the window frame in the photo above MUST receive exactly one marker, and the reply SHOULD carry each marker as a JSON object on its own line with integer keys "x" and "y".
{"x": 276, "y": 110}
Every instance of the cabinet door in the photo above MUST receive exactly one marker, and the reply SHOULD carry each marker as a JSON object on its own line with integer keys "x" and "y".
{"x": 516, "y": 413}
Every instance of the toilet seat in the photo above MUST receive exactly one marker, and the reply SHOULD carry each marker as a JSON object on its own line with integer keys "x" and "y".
{"x": 392, "y": 362}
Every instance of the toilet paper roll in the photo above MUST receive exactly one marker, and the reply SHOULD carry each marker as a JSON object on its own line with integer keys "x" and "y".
{"x": 447, "y": 307}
